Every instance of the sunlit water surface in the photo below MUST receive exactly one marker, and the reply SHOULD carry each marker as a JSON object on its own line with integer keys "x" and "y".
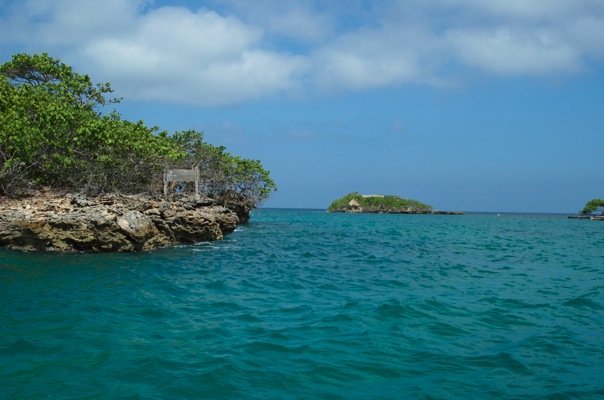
{"x": 307, "y": 304}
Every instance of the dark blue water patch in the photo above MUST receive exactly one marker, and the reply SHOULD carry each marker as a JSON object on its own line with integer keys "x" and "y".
{"x": 306, "y": 304}
{"x": 22, "y": 346}
{"x": 583, "y": 302}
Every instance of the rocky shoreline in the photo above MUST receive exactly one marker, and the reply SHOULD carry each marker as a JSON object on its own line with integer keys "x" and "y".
{"x": 112, "y": 223}
{"x": 410, "y": 212}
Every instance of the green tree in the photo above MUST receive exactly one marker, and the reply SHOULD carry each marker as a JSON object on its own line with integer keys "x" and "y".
{"x": 53, "y": 132}
{"x": 46, "y": 111}
{"x": 592, "y": 205}
{"x": 224, "y": 176}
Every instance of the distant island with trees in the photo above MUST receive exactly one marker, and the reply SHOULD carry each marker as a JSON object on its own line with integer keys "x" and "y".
{"x": 594, "y": 206}
{"x": 593, "y": 210}
{"x": 388, "y": 204}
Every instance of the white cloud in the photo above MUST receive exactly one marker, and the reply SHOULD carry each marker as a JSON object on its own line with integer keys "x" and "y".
{"x": 505, "y": 51}
{"x": 293, "y": 19}
{"x": 174, "y": 54}
{"x": 367, "y": 59}
{"x": 168, "y": 53}
{"x": 526, "y": 9}
{"x": 587, "y": 32}
{"x": 65, "y": 23}
{"x": 271, "y": 47}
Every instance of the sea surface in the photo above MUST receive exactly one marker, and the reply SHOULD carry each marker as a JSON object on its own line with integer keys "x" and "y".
{"x": 303, "y": 304}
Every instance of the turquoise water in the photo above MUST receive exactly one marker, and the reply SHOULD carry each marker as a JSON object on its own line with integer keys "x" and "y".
{"x": 306, "y": 304}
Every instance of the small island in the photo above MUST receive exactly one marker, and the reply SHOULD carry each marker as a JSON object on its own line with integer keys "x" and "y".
{"x": 75, "y": 176}
{"x": 593, "y": 210}
{"x": 383, "y": 204}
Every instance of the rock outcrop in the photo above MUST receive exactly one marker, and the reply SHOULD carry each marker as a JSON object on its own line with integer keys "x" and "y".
{"x": 109, "y": 223}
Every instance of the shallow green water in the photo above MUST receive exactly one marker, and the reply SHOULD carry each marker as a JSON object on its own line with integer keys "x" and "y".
{"x": 306, "y": 304}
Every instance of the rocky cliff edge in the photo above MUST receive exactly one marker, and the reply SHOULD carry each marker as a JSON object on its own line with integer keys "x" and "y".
{"x": 109, "y": 223}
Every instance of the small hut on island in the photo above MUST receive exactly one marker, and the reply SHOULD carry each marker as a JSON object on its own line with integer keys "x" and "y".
{"x": 354, "y": 206}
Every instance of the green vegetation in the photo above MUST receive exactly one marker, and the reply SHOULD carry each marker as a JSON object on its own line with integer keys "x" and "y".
{"x": 379, "y": 204}
{"x": 592, "y": 205}
{"x": 55, "y": 130}
{"x": 223, "y": 175}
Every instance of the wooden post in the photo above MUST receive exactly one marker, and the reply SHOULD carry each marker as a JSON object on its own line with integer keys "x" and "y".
{"x": 166, "y": 183}
{"x": 196, "y": 182}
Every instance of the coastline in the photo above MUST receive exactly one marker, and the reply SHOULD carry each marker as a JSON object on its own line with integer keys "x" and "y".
{"x": 587, "y": 217}
{"x": 67, "y": 222}
{"x": 409, "y": 212}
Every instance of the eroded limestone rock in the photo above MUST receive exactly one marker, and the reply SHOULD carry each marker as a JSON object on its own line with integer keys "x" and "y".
{"x": 69, "y": 223}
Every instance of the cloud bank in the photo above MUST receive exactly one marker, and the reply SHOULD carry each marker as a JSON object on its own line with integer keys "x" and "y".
{"x": 228, "y": 51}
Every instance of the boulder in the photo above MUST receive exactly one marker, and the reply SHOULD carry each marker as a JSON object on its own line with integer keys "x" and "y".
{"x": 71, "y": 223}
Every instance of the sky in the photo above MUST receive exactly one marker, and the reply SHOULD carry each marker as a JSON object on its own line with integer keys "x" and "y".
{"x": 473, "y": 105}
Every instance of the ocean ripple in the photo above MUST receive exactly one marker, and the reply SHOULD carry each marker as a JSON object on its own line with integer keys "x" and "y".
{"x": 306, "y": 304}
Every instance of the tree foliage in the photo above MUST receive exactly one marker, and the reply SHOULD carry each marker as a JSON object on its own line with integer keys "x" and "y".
{"x": 592, "y": 205}
{"x": 53, "y": 132}
{"x": 223, "y": 175}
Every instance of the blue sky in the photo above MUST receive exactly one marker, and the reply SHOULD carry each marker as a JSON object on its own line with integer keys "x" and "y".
{"x": 464, "y": 104}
